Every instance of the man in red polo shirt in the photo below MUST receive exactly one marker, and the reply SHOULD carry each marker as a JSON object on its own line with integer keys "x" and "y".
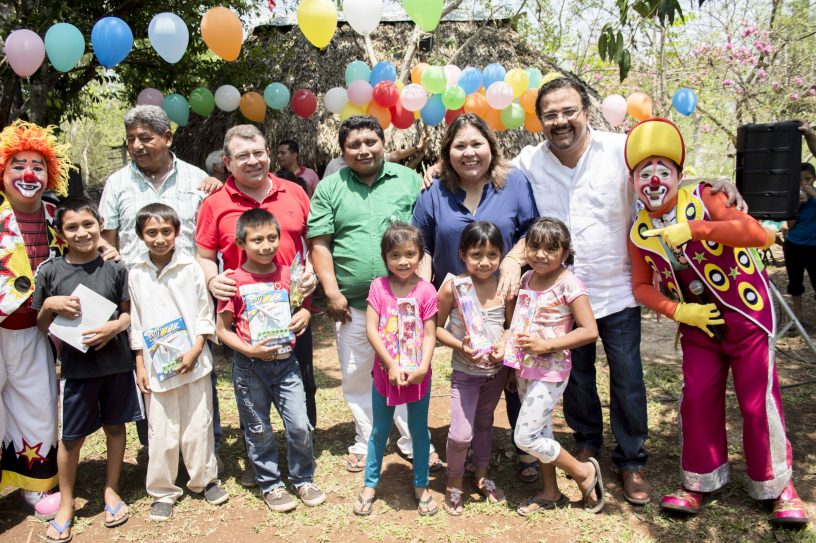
{"x": 252, "y": 186}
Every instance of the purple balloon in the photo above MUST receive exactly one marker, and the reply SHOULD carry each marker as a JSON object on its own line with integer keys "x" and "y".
{"x": 25, "y": 52}
{"x": 150, "y": 97}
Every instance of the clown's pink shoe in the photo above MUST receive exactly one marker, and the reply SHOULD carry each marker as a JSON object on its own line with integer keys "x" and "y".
{"x": 46, "y": 508}
{"x": 788, "y": 508}
{"x": 683, "y": 501}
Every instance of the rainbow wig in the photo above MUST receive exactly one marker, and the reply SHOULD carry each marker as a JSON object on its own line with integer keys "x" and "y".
{"x": 22, "y": 136}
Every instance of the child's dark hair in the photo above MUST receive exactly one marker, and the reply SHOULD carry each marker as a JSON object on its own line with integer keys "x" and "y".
{"x": 159, "y": 211}
{"x": 76, "y": 204}
{"x": 254, "y": 218}
{"x": 808, "y": 167}
{"x": 551, "y": 234}
{"x": 479, "y": 234}
{"x": 397, "y": 234}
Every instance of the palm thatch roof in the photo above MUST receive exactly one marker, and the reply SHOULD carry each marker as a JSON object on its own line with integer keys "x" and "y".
{"x": 297, "y": 64}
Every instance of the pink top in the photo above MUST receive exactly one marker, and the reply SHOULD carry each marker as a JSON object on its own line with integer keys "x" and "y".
{"x": 383, "y": 301}
{"x": 552, "y": 319}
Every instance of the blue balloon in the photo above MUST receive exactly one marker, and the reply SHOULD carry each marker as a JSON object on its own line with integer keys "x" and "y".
{"x": 177, "y": 108}
{"x": 276, "y": 95}
{"x": 493, "y": 73}
{"x": 684, "y": 101}
{"x": 357, "y": 70}
{"x": 64, "y": 45}
{"x": 384, "y": 71}
{"x": 434, "y": 110}
{"x": 470, "y": 79}
{"x": 112, "y": 41}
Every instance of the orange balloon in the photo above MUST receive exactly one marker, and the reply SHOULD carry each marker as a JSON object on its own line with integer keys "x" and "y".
{"x": 253, "y": 107}
{"x": 527, "y": 101}
{"x": 532, "y": 123}
{"x": 639, "y": 106}
{"x": 493, "y": 119}
{"x": 416, "y": 72}
{"x": 476, "y": 103}
{"x": 222, "y": 32}
{"x": 382, "y": 114}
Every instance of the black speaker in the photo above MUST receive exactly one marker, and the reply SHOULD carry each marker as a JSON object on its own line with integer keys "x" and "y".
{"x": 769, "y": 158}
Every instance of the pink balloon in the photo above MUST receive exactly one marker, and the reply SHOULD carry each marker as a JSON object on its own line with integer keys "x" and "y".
{"x": 359, "y": 92}
{"x": 499, "y": 95}
{"x": 150, "y": 97}
{"x": 413, "y": 97}
{"x": 25, "y": 52}
{"x": 613, "y": 109}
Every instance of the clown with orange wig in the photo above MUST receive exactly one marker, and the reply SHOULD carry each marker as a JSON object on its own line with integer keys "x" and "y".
{"x": 713, "y": 283}
{"x": 31, "y": 162}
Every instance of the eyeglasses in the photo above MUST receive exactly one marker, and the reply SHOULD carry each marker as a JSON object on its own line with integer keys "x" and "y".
{"x": 257, "y": 154}
{"x": 569, "y": 114}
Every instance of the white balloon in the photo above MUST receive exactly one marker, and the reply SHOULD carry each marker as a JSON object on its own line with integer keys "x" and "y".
{"x": 336, "y": 99}
{"x": 452, "y": 74}
{"x": 169, "y": 36}
{"x": 363, "y": 15}
{"x": 227, "y": 98}
{"x": 613, "y": 109}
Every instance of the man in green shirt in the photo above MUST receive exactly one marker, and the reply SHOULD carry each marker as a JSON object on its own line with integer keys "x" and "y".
{"x": 349, "y": 212}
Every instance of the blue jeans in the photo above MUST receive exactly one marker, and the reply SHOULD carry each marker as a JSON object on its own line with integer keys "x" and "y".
{"x": 259, "y": 384}
{"x": 620, "y": 334}
{"x": 383, "y": 421}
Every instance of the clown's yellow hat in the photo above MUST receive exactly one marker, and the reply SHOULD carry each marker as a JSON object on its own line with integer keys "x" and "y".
{"x": 654, "y": 137}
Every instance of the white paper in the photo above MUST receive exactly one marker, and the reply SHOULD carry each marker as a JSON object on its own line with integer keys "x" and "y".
{"x": 96, "y": 311}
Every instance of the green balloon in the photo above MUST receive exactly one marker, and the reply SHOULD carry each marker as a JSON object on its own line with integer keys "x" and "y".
{"x": 425, "y": 13}
{"x": 512, "y": 116}
{"x": 454, "y": 97}
{"x": 202, "y": 101}
{"x": 177, "y": 108}
{"x": 434, "y": 80}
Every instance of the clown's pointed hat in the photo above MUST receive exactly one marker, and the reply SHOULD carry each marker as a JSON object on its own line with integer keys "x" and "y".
{"x": 654, "y": 137}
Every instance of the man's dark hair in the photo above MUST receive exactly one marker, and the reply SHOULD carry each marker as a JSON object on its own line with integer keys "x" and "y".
{"x": 157, "y": 210}
{"x": 808, "y": 167}
{"x": 358, "y": 122}
{"x": 76, "y": 204}
{"x": 292, "y": 145}
{"x": 562, "y": 83}
{"x": 254, "y": 218}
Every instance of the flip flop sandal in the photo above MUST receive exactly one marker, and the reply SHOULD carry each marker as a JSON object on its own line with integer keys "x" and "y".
{"x": 356, "y": 466}
{"x": 542, "y": 505}
{"x": 524, "y": 466}
{"x": 435, "y": 465}
{"x": 364, "y": 506}
{"x": 597, "y": 486}
{"x": 428, "y": 511}
{"x": 453, "y": 502}
{"x": 117, "y": 521}
{"x": 490, "y": 491}
{"x": 61, "y": 530}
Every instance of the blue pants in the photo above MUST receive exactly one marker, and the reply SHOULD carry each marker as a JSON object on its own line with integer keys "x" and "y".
{"x": 383, "y": 421}
{"x": 620, "y": 334}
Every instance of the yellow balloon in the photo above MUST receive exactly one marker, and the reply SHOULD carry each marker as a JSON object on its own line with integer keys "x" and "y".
{"x": 518, "y": 81}
{"x": 400, "y": 85}
{"x": 549, "y": 77}
{"x": 317, "y": 20}
{"x": 222, "y": 32}
{"x": 253, "y": 107}
{"x": 350, "y": 110}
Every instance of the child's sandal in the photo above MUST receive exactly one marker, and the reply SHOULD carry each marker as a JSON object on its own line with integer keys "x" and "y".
{"x": 364, "y": 506}
{"x": 453, "y": 502}
{"x": 490, "y": 491}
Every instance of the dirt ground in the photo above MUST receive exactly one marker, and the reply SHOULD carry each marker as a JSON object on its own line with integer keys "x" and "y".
{"x": 729, "y": 516}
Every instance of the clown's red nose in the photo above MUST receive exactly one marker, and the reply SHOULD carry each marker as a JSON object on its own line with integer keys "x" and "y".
{"x": 655, "y": 182}
{"x": 29, "y": 176}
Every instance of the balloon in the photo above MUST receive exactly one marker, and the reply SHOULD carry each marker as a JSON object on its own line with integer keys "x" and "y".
{"x": 470, "y": 79}
{"x": 413, "y": 97}
{"x": 169, "y": 36}
{"x": 317, "y": 20}
{"x": 400, "y": 85}
{"x": 253, "y": 107}
{"x": 492, "y": 73}
{"x": 350, "y": 110}
{"x": 386, "y": 94}
{"x": 518, "y": 80}
{"x": 176, "y": 107}
{"x": 382, "y": 114}
{"x": 434, "y": 110}
{"x": 363, "y": 16}
{"x": 304, "y": 103}
{"x": 512, "y": 116}
{"x": 499, "y": 95}
{"x": 383, "y": 71}
{"x": 433, "y": 79}
{"x": 25, "y": 52}
{"x": 416, "y": 72}
{"x": 493, "y": 119}
{"x": 276, "y": 95}
{"x": 336, "y": 99}
{"x": 532, "y": 123}
{"x": 401, "y": 118}
{"x": 425, "y": 13}
{"x": 476, "y": 103}
{"x": 227, "y": 98}
{"x": 534, "y": 77}
{"x": 550, "y": 77}
{"x": 454, "y": 97}
{"x": 202, "y": 101}
{"x": 452, "y": 74}
{"x": 613, "y": 109}
{"x": 64, "y": 45}
{"x": 150, "y": 97}
{"x": 639, "y": 106}
{"x": 112, "y": 41}
{"x": 527, "y": 100}
{"x": 451, "y": 114}
{"x": 222, "y": 32}
{"x": 684, "y": 101}
{"x": 357, "y": 70}
{"x": 359, "y": 92}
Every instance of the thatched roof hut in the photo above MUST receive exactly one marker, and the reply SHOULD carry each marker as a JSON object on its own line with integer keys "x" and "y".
{"x": 297, "y": 64}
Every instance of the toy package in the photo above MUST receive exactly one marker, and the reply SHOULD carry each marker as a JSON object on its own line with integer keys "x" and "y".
{"x": 165, "y": 345}
{"x": 471, "y": 310}
{"x": 296, "y": 271}
{"x": 410, "y": 334}
{"x": 522, "y": 322}
{"x": 268, "y": 314}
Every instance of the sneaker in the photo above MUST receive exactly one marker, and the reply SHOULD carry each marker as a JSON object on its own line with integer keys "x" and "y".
{"x": 279, "y": 500}
{"x": 215, "y": 495}
{"x": 161, "y": 511}
{"x": 311, "y": 495}
{"x": 248, "y": 479}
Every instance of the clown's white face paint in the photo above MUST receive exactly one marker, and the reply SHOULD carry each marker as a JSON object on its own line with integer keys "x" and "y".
{"x": 24, "y": 180}
{"x": 656, "y": 180}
